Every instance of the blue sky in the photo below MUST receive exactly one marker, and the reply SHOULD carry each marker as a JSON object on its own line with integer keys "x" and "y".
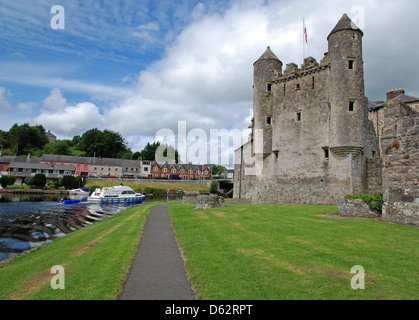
{"x": 138, "y": 66}
{"x": 104, "y": 44}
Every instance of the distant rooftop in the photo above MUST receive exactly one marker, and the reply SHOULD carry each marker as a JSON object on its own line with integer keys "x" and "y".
{"x": 64, "y": 158}
{"x": 393, "y": 94}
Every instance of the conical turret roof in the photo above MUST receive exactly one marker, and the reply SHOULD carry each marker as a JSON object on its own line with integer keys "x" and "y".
{"x": 268, "y": 55}
{"x": 345, "y": 23}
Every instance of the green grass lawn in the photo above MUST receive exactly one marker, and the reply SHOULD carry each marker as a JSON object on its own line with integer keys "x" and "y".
{"x": 95, "y": 259}
{"x": 246, "y": 252}
{"x": 287, "y": 252}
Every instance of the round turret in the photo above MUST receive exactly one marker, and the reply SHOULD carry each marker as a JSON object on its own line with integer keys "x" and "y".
{"x": 347, "y": 98}
{"x": 267, "y": 68}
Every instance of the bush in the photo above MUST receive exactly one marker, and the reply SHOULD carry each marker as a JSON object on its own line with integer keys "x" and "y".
{"x": 93, "y": 188}
{"x": 214, "y": 186}
{"x": 39, "y": 180}
{"x": 70, "y": 182}
{"x": 7, "y": 181}
{"x": 28, "y": 181}
{"x": 375, "y": 201}
{"x": 51, "y": 186}
{"x": 151, "y": 190}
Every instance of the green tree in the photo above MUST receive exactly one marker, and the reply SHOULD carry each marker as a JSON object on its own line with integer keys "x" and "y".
{"x": 252, "y": 123}
{"x": 125, "y": 155}
{"x": 4, "y": 137}
{"x": 29, "y": 181}
{"x": 25, "y": 138}
{"x": 150, "y": 150}
{"x": 217, "y": 170}
{"x": 71, "y": 182}
{"x": 214, "y": 186}
{"x": 39, "y": 180}
{"x": 75, "y": 141}
{"x": 136, "y": 156}
{"x": 108, "y": 144}
{"x": 61, "y": 147}
{"x": 6, "y": 181}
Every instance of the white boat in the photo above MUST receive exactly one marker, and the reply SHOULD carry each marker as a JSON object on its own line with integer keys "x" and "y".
{"x": 116, "y": 194}
{"x": 79, "y": 191}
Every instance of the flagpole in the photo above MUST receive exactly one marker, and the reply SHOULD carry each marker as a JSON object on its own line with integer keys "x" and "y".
{"x": 304, "y": 54}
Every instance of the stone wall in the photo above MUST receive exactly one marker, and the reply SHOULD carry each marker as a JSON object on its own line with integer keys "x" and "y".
{"x": 377, "y": 119}
{"x": 202, "y": 182}
{"x": 190, "y": 196}
{"x": 375, "y": 175}
{"x": 204, "y": 201}
{"x": 400, "y": 174}
{"x": 356, "y": 208}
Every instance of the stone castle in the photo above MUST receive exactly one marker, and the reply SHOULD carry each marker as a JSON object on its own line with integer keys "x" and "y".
{"x": 314, "y": 139}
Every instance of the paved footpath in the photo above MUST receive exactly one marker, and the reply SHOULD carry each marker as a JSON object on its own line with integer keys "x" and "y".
{"x": 158, "y": 270}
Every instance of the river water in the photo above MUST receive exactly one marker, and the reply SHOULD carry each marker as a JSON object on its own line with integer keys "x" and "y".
{"x": 27, "y": 222}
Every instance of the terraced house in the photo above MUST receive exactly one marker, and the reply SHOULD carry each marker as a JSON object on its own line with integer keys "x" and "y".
{"x": 82, "y": 164}
{"x": 22, "y": 168}
{"x": 180, "y": 171}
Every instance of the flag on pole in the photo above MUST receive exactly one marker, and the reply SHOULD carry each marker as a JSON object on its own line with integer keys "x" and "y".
{"x": 305, "y": 41}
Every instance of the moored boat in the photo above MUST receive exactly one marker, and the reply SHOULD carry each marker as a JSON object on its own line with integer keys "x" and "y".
{"x": 116, "y": 194}
{"x": 79, "y": 191}
{"x": 70, "y": 201}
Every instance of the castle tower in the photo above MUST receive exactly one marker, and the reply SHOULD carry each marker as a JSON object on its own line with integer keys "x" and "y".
{"x": 266, "y": 68}
{"x": 318, "y": 143}
{"x": 348, "y": 105}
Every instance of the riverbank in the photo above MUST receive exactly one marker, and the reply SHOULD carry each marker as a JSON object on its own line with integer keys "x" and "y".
{"x": 95, "y": 259}
{"x": 150, "y": 187}
{"x": 34, "y": 191}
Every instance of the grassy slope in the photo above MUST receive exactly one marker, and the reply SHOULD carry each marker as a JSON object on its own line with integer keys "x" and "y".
{"x": 96, "y": 259}
{"x": 286, "y": 252}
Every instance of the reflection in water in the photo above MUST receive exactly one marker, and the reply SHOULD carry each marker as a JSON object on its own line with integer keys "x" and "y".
{"x": 27, "y": 222}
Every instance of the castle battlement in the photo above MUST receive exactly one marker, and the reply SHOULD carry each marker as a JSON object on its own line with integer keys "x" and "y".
{"x": 288, "y": 76}
{"x": 309, "y": 67}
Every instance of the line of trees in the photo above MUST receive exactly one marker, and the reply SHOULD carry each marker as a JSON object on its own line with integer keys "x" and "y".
{"x": 23, "y": 139}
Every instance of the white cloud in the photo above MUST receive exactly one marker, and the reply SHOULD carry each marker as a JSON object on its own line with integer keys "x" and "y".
{"x": 154, "y": 26}
{"x": 147, "y": 33}
{"x": 45, "y": 76}
{"x": 71, "y": 120}
{"x": 55, "y": 101}
{"x": 205, "y": 78}
{"x": 4, "y": 104}
{"x": 27, "y": 107}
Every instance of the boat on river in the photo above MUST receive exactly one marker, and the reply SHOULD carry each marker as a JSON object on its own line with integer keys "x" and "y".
{"x": 80, "y": 191}
{"x": 116, "y": 194}
{"x": 70, "y": 201}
